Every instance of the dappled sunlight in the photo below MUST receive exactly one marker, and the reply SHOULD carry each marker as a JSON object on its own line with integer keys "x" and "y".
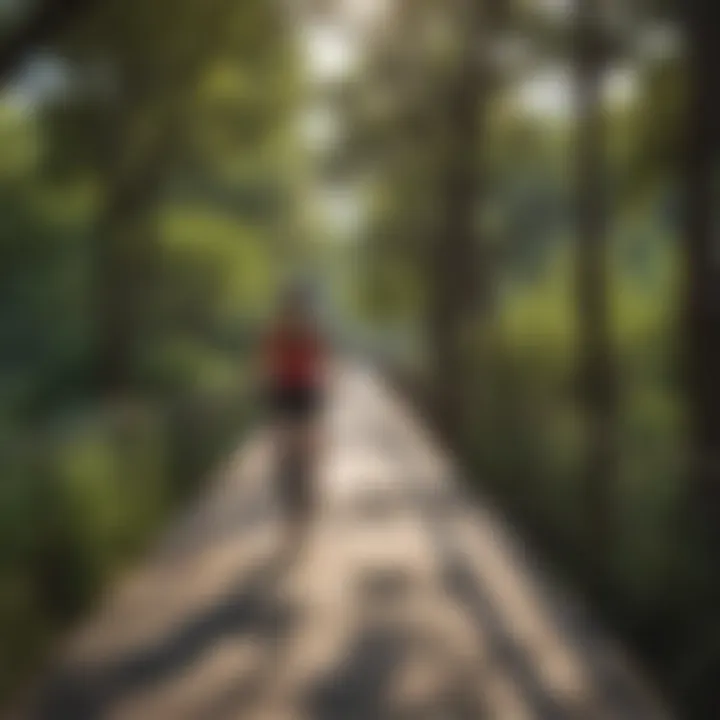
{"x": 412, "y": 610}
{"x": 334, "y": 334}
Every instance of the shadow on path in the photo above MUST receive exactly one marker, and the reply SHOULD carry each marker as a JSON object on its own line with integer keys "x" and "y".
{"x": 504, "y": 650}
{"x": 358, "y": 689}
{"x": 252, "y": 610}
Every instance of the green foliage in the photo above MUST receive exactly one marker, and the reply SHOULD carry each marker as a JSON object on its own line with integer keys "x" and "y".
{"x": 656, "y": 146}
{"x": 77, "y": 502}
{"x": 530, "y": 454}
{"x": 82, "y": 498}
{"x": 167, "y": 170}
{"x": 156, "y": 174}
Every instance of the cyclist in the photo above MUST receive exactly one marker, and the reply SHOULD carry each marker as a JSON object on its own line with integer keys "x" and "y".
{"x": 294, "y": 366}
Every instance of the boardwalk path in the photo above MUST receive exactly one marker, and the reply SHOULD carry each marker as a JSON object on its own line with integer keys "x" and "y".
{"x": 409, "y": 602}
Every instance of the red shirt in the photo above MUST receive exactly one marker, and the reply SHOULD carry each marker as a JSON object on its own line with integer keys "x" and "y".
{"x": 294, "y": 359}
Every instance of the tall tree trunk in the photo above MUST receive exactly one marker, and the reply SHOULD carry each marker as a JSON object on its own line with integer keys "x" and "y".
{"x": 596, "y": 361}
{"x": 702, "y": 287}
{"x": 125, "y": 270}
{"x": 455, "y": 269}
{"x": 149, "y": 129}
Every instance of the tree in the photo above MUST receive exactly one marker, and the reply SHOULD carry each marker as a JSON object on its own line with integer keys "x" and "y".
{"x": 459, "y": 274}
{"x": 597, "y": 376}
{"x": 417, "y": 117}
{"x": 702, "y": 271}
{"x": 393, "y": 113}
{"x": 132, "y": 130}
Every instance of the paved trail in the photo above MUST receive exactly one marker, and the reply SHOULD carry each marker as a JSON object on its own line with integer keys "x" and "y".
{"x": 408, "y": 602}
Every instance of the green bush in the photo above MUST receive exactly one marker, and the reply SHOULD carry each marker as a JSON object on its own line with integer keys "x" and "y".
{"x": 84, "y": 496}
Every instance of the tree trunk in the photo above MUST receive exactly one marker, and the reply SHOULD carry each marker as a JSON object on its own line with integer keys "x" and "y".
{"x": 455, "y": 267}
{"x": 596, "y": 366}
{"x": 149, "y": 130}
{"x": 126, "y": 264}
{"x": 702, "y": 278}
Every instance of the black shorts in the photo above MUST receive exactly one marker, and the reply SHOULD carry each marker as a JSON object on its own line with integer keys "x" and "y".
{"x": 296, "y": 403}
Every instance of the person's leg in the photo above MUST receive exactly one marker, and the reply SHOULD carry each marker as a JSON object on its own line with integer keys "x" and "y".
{"x": 311, "y": 439}
{"x": 296, "y": 489}
{"x": 280, "y": 432}
{"x": 304, "y": 445}
{"x": 298, "y": 450}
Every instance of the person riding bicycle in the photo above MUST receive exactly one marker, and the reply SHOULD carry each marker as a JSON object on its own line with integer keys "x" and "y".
{"x": 294, "y": 366}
